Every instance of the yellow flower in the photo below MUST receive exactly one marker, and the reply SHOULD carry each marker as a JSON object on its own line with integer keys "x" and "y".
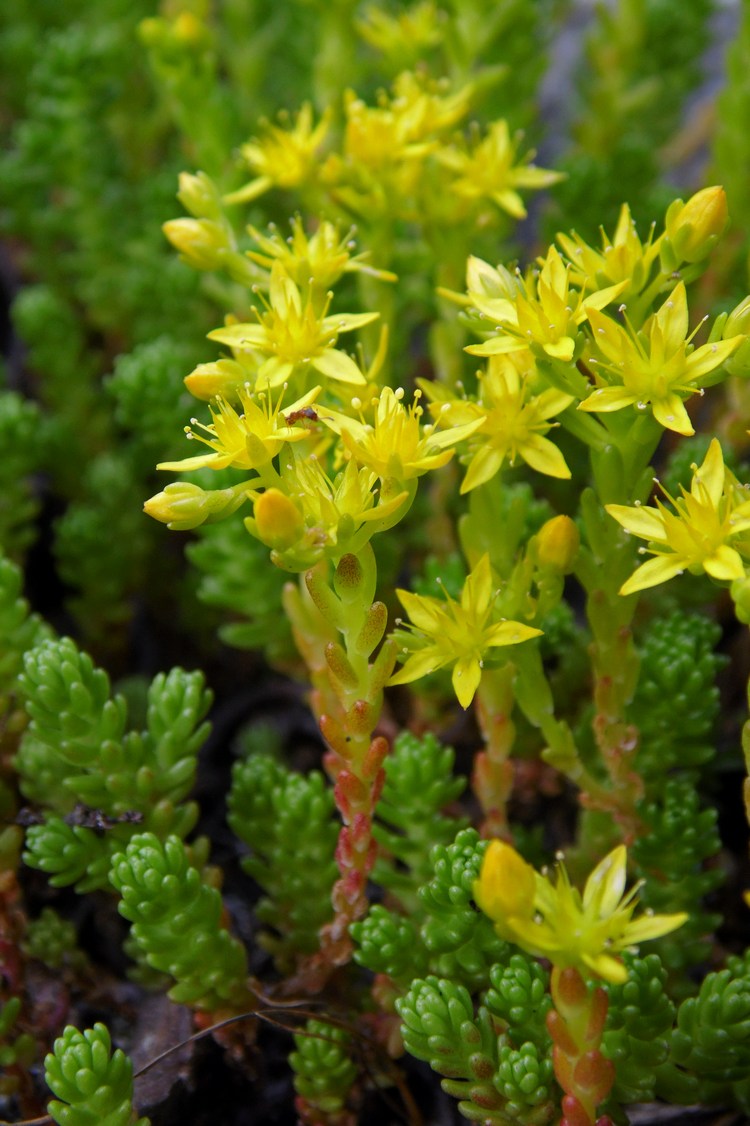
{"x": 546, "y": 313}
{"x": 293, "y": 335}
{"x": 446, "y": 632}
{"x": 697, "y": 535}
{"x": 282, "y": 157}
{"x": 380, "y": 169}
{"x": 401, "y": 127}
{"x": 657, "y": 366}
{"x": 513, "y": 422}
{"x": 396, "y": 445}
{"x": 490, "y": 171}
{"x": 244, "y": 441}
{"x": 317, "y": 260}
{"x": 553, "y": 920}
{"x": 402, "y": 38}
{"x": 623, "y": 258}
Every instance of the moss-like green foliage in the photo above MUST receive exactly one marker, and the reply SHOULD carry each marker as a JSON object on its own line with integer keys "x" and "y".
{"x": 93, "y": 1084}
{"x": 53, "y": 940}
{"x": 177, "y": 923}
{"x": 525, "y": 1076}
{"x": 21, "y": 441}
{"x": 102, "y": 544}
{"x": 77, "y": 752}
{"x": 710, "y": 1045}
{"x": 19, "y": 629}
{"x": 323, "y": 1071}
{"x": 235, "y": 578}
{"x": 671, "y": 853}
{"x": 677, "y": 701}
{"x": 439, "y": 1025}
{"x": 73, "y": 854}
{"x": 639, "y": 1025}
{"x": 390, "y": 944}
{"x": 419, "y": 784}
{"x": 461, "y": 940}
{"x": 151, "y": 403}
{"x": 16, "y": 1050}
{"x": 288, "y": 821}
{"x": 520, "y": 998}
{"x": 496, "y": 1082}
{"x": 445, "y": 934}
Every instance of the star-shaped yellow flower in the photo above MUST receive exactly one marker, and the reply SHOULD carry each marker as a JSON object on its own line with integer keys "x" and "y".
{"x": 446, "y": 632}
{"x": 282, "y": 157}
{"x": 545, "y": 314}
{"x": 396, "y": 445}
{"x": 698, "y": 534}
{"x": 622, "y": 258}
{"x": 554, "y": 920}
{"x": 292, "y": 334}
{"x": 491, "y": 171}
{"x": 657, "y": 366}
{"x": 513, "y": 423}
{"x": 244, "y": 440}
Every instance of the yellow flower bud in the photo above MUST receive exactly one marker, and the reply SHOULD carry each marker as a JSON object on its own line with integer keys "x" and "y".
{"x": 278, "y": 521}
{"x": 738, "y": 321}
{"x": 199, "y": 241}
{"x": 506, "y": 884}
{"x": 222, "y": 378}
{"x": 557, "y": 544}
{"x": 189, "y": 29}
{"x": 199, "y": 195}
{"x": 693, "y": 228}
{"x": 181, "y": 505}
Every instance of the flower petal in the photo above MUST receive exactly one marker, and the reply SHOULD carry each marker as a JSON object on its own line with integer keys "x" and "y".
{"x": 337, "y": 365}
{"x": 544, "y": 456}
{"x": 724, "y": 564}
{"x": 658, "y": 570}
{"x": 647, "y": 523}
{"x": 608, "y": 399}
{"x": 418, "y": 665}
{"x": 671, "y": 414}
{"x": 466, "y": 676}
{"x": 509, "y": 633}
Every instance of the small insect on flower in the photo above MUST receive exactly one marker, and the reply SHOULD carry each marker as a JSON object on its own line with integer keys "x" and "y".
{"x": 297, "y": 416}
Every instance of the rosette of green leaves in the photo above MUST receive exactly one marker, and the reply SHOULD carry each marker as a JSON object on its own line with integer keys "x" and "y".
{"x": 93, "y": 1084}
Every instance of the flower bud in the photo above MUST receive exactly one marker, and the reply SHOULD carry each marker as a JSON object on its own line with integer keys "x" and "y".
{"x": 693, "y": 228}
{"x": 180, "y": 505}
{"x": 199, "y": 241}
{"x": 199, "y": 195}
{"x": 278, "y": 521}
{"x": 557, "y": 544}
{"x": 183, "y": 505}
{"x": 738, "y": 321}
{"x": 740, "y": 592}
{"x": 221, "y": 379}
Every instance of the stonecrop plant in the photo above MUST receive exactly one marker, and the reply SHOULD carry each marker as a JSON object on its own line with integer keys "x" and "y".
{"x": 460, "y": 471}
